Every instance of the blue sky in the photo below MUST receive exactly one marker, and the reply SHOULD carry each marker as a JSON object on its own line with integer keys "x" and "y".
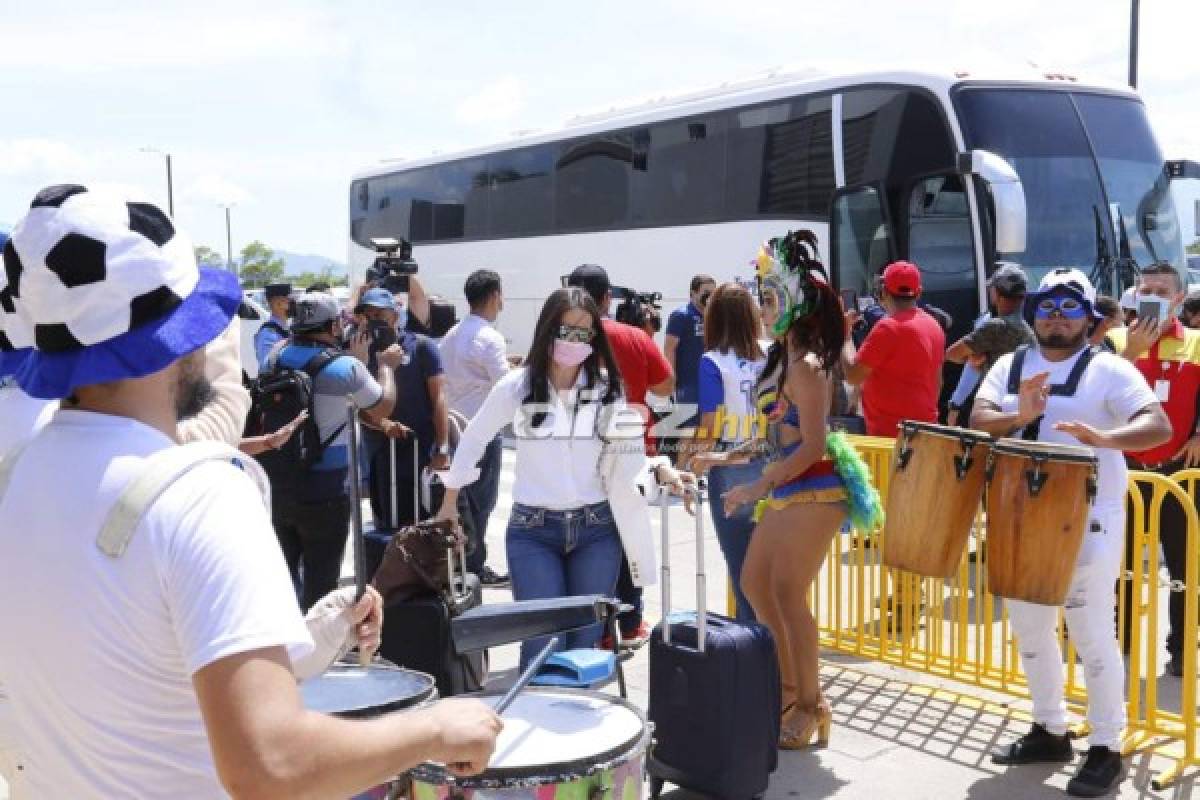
{"x": 273, "y": 105}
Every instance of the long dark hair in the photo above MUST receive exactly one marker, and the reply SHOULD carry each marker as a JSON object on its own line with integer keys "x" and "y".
{"x": 600, "y": 361}
{"x": 731, "y": 322}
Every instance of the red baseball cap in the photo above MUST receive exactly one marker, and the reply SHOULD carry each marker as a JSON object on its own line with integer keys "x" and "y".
{"x": 902, "y": 279}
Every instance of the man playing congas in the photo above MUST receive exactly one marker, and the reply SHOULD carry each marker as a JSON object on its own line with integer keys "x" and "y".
{"x": 1069, "y": 394}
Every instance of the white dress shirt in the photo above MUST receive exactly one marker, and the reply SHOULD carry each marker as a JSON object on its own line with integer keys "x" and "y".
{"x": 473, "y": 357}
{"x": 558, "y": 463}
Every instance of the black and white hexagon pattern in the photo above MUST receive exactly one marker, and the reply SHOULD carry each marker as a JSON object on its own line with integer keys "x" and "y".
{"x": 85, "y": 266}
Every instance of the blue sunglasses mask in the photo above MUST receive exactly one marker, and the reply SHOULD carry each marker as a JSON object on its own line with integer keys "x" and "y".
{"x": 1065, "y": 305}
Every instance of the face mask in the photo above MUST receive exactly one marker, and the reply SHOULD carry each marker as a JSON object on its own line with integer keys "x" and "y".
{"x": 570, "y": 354}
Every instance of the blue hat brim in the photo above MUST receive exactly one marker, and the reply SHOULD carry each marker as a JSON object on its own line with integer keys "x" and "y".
{"x": 195, "y": 322}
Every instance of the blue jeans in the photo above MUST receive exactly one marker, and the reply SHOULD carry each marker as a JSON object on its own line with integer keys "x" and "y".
{"x": 559, "y": 554}
{"x": 481, "y": 499}
{"x": 733, "y": 532}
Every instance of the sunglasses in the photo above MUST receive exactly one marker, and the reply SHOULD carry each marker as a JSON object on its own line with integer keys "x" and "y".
{"x": 1068, "y": 307}
{"x": 704, "y": 298}
{"x": 574, "y": 333}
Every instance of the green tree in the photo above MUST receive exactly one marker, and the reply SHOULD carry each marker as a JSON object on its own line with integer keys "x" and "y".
{"x": 1194, "y": 248}
{"x": 260, "y": 265}
{"x": 207, "y": 257}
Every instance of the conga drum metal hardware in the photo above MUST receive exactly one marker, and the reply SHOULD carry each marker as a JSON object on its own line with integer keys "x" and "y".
{"x": 1039, "y": 498}
{"x": 928, "y": 517}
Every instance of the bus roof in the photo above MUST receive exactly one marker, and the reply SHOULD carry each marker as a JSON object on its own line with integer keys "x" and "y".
{"x": 765, "y": 88}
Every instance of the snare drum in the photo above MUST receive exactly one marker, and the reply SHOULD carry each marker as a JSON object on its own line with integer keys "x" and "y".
{"x": 346, "y": 690}
{"x": 1038, "y": 502}
{"x": 557, "y": 744}
{"x": 935, "y": 491}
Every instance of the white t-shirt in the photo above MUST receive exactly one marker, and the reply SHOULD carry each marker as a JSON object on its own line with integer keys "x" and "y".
{"x": 473, "y": 357}
{"x": 1110, "y": 392}
{"x": 97, "y": 653}
{"x": 20, "y": 415}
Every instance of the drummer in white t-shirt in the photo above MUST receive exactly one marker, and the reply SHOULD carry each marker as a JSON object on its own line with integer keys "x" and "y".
{"x": 1112, "y": 409}
{"x": 164, "y": 666}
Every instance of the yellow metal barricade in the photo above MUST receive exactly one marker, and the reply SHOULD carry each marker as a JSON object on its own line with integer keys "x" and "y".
{"x": 956, "y": 629}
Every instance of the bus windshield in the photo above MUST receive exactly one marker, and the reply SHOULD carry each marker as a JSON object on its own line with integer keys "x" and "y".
{"x": 1093, "y": 175}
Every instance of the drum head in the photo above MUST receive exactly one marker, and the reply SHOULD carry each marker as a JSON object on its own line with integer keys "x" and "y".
{"x": 910, "y": 427}
{"x": 353, "y": 691}
{"x": 553, "y": 734}
{"x": 1052, "y": 452}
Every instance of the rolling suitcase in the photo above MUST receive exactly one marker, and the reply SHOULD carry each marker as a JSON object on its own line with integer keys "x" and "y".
{"x": 416, "y": 632}
{"x": 714, "y": 695}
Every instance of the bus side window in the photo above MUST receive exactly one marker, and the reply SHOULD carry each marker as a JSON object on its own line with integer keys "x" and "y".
{"x": 939, "y": 233}
{"x": 861, "y": 244}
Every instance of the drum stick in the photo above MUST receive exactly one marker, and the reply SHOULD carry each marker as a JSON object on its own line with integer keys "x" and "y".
{"x": 527, "y": 675}
{"x": 356, "y": 524}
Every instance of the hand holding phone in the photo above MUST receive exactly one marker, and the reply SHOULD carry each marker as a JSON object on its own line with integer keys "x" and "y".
{"x": 849, "y": 299}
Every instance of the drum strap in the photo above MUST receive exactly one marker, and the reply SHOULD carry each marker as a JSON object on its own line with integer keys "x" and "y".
{"x": 1031, "y": 431}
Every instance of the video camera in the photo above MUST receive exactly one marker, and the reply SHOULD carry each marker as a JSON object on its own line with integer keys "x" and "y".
{"x": 639, "y": 309}
{"x": 393, "y": 265}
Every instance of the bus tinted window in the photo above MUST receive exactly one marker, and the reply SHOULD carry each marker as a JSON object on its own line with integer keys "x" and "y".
{"x": 780, "y": 159}
{"x": 592, "y": 183}
{"x": 679, "y": 171}
{"x": 893, "y": 135}
{"x": 521, "y": 194}
{"x": 458, "y": 192}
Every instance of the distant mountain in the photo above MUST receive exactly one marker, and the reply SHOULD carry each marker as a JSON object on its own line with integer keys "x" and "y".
{"x": 297, "y": 263}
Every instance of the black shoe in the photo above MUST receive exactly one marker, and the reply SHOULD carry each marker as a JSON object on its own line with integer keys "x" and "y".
{"x": 492, "y": 580}
{"x": 1175, "y": 666}
{"x": 1097, "y": 775}
{"x": 1039, "y": 746}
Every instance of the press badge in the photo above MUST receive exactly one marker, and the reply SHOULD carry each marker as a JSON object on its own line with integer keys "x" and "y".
{"x": 1162, "y": 390}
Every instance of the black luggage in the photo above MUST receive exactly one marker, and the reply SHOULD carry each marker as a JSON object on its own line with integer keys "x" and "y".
{"x": 416, "y": 632}
{"x": 714, "y": 695}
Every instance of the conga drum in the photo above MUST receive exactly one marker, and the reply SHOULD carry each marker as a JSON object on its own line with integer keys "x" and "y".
{"x": 354, "y": 692}
{"x": 557, "y": 744}
{"x": 933, "y": 497}
{"x": 1038, "y": 501}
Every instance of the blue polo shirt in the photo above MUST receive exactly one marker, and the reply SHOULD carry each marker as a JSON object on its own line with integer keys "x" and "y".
{"x": 687, "y": 324}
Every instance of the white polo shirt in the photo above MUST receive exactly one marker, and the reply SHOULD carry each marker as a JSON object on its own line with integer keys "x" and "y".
{"x": 97, "y": 654}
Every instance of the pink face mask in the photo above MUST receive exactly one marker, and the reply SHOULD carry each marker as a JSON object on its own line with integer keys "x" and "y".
{"x": 570, "y": 354}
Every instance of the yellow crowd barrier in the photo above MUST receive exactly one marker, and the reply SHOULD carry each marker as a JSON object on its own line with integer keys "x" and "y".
{"x": 957, "y": 629}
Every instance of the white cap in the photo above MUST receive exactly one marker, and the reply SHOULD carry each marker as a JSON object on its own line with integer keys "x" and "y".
{"x": 1068, "y": 279}
{"x": 1128, "y": 301}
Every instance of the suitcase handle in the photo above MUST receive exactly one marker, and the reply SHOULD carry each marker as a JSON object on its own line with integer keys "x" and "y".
{"x": 701, "y": 580}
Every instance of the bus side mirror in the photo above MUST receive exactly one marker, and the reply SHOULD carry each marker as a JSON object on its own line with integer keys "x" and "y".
{"x": 1182, "y": 170}
{"x": 1008, "y": 196}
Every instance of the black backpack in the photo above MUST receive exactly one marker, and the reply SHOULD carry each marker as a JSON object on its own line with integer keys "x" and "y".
{"x": 276, "y": 397}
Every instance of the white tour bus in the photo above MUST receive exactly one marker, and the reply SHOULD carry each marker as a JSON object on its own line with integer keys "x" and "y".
{"x": 953, "y": 172}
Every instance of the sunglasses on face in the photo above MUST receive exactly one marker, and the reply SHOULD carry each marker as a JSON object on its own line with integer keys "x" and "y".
{"x": 704, "y": 298}
{"x": 1068, "y": 307}
{"x": 574, "y": 333}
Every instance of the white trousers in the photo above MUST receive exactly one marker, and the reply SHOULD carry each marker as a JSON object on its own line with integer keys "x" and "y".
{"x": 1090, "y": 623}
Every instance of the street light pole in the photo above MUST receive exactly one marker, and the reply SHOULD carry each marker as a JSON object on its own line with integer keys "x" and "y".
{"x": 228, "y": 240}
{"x": 1133, "y": 43}
{"x": 170, "y": 179}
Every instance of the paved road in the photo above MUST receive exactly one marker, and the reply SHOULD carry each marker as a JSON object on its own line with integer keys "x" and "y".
{"x": 897, "y": 735}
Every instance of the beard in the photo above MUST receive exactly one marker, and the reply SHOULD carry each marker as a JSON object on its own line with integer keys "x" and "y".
{"x": 193, "y": 390}
{"x": 1061, "y": 341}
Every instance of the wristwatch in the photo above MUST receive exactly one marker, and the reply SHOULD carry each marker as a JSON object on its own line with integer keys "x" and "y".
{"x": 442, "y": 450}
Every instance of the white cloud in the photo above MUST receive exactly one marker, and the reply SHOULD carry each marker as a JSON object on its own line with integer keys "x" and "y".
{"x": 21, "y": 157}
{"x": 498, "y": 101}
{"x": 216, "y": 189}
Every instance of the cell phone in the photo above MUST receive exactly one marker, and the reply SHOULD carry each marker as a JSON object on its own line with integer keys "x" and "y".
{"x": 1151, "y": 309}
{"x": 382, "y": 334}
{"x": 849, "y": 299}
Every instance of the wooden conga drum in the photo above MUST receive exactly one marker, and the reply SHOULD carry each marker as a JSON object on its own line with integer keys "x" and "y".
{"x": 1038, "y": 501}
{"x": 934, "y": 495}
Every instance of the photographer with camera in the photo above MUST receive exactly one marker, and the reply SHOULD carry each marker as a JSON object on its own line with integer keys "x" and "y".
{"x": 640, "y": 309}
{"x": 643, "y": 367}
{"x": 395, "y": 270}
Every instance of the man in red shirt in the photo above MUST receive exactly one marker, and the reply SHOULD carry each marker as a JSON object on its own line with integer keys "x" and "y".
{"x": 1168, "y": 356}
{"x": 900, "y": 364}
{"x": 642, "y": 366}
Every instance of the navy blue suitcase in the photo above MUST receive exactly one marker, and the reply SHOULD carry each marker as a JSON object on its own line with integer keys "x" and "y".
{"x": 714, "y": 696}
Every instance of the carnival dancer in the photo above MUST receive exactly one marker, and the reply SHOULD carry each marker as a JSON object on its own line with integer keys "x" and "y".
{"x": 158, "y": 655}
{"x": 815, "y": 480}
{"x": 1068, "y": 393}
